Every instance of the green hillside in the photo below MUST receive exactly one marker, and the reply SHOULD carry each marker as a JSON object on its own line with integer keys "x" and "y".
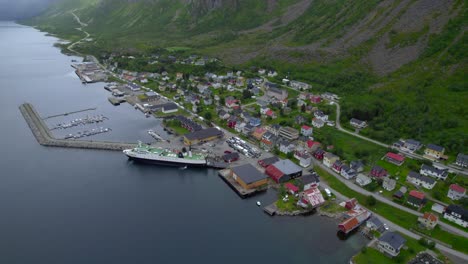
{"x": 398, "y": 64}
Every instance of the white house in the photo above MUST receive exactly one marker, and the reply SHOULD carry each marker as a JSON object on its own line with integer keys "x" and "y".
{"x": 306, "y": 130}
{"x": 318, "y": 123}
{"x": 433, "y": 172}
{"x": 456, "y": 192}
{"x": 363, "y": 180}
{"x": 457, "y": 214}
{"x": 391, "y": 243}
{"x": 421, "y": 180}
{"x": 319, "y": 114}
{"x": 347, "y": 172}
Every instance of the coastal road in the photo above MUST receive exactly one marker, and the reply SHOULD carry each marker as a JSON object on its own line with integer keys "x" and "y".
{"x": 451, "y": 168}
{"x": 455, "y": 256}
{"x": 383, "y": 199}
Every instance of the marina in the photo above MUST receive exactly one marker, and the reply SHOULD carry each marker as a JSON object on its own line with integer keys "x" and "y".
{"x": 81, "y": 122}
{"x": 88, "y": 133}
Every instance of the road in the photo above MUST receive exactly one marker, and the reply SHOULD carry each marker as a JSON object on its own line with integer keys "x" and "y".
{"x": 451, "y": 168}
{"x": 455, "y": 256}
{"x": 71, "y": 46}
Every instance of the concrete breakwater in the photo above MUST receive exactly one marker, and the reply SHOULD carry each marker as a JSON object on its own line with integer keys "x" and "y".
{"x": 43, "y": 135}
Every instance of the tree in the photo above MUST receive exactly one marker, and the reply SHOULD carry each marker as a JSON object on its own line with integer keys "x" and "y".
{"x": 303, "y": 108}
{"x": 222, "y": 101}
{"x": 246, "y": 94}
{"x": 370, "y": 200}
{"x": 208, "y": 116}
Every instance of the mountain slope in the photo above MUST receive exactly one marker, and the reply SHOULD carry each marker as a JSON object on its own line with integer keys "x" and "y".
{"x": 399, "y": 64}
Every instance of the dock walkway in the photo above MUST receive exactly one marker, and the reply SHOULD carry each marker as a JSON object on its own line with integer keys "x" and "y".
{"x": 44, "y": 137}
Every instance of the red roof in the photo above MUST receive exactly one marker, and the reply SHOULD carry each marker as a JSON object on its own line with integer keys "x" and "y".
{"x": 430, "y": 217}
{"x": 348, "y": 225}
{"x": 417, "y": 194}
{"x": 457, "y": 188}
{"x": 395, "y": 156}
{"x": 269, "y": 112}
{"x": 291, "y": 187}
{"x": 274, "y": 173}
{"x": 311, "y": 143}
{"x": 306, "y": 127}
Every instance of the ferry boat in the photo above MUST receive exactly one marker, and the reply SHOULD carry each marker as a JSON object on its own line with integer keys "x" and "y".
{"x": 161, "y": 156}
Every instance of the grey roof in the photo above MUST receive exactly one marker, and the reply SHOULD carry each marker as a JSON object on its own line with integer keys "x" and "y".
{"x": 462, "y": 158}
{"x": 420, "y": 177}
{"x": 433, "y": 169}
{"x": 271, "y": 85}
{"x": 356, "y": 164}
{"x": 205, "y": 133}
{"x": 394, "y": 239}
{"x": 357, "y": 121}
{"x": 287, "y": 167}
{"x": 169, "y": 106}
{"x": 309, "y": 178}
{"x": 435, "y": 147}
{"x": 151, "y": 94}
{"x": 412, "y": 142}
{"x": 270, "y": 160}
{"x": 248, "y": 173}
{"x": 458, "y": 210}
{"x": 376, "y": 221}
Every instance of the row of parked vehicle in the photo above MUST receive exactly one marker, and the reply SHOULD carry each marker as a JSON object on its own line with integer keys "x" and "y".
{"x": 243, "y": 147}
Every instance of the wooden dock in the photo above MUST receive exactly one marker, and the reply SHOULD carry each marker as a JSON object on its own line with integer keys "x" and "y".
{"x": 43, "y": 135}
{"x": 270, "y": 209}
{"x": 70, "y": 113}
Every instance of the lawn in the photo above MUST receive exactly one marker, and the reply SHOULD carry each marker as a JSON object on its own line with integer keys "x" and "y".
{"x": 349, "y": 147}
{"x": 373, "y": 256}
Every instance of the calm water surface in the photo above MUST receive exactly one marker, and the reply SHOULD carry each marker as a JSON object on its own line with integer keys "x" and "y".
{"x": 81, "y": 206}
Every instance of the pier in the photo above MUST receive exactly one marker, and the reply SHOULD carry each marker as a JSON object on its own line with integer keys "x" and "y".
{"x": 69, "y": 113}
{"x": 44, "y": 137}
{"x": 243, "y": 193}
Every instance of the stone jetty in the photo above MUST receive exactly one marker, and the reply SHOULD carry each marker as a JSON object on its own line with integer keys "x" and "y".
{"x": 45, "y": 137}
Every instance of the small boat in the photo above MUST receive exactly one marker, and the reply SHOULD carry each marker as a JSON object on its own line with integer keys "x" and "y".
{"x": 183, "y": 168}
{"x": 259, "y": 203}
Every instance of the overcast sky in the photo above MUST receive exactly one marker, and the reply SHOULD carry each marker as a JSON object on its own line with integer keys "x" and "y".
{"x": 15, "y": 9}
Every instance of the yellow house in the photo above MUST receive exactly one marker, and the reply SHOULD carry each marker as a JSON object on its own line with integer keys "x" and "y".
{"x": 329, "y": 159}
{"x": 434, "y": 151}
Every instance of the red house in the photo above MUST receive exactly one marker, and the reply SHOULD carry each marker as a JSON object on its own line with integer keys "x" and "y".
{"x": 378, "y": 172}
{"x": 318, "y": 154}
{"x": 337, "y": 166}
{"x": 394, "y": 158}
{"x": 350, "y": 204}
{"x": 275, "y": 174}
{"x": 293, "y": 189}
{"x": 232, "y": 123}
{"x": 315, "y": 99}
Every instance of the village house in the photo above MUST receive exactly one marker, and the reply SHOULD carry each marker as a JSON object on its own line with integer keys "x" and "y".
{"x": 319, "y": 114}
{"x": 248, "y": 128}
{"x": 330, "y": 96}
{"x": 275, "y": 92}
{"x": 232, "y": 122}
{"x": 391, "y": 243}
{"x": 239, "y": 127}
{"x": 318, "y": 123}
{"x": 358, "y": 123}
{"x": 299, "y": 85}
{"x": 272, "y": 74}
{"x": 357, "y": 165}
{"x": 434, "y": 151}
{"x": 286, "y": 146}
{"x": 268, "y": 141}
{"x": 347, "y": 172}
{"x": 291, "y": 188}
{"x": 263, "y": 110}
{"x": 438, "y": 208}
{"x": 394, "y": 158}
{"x": 456, "y": 192}
{"x": 255, "y": 122}
{"x": 400, "y": 193}
{"x": 374, "y": 223}
{"x": 420, "y": 180}
{"x": 270, "y": 113}
{"x": 389, "y": 184}
{"x": 427, "y": 170}
{"x": 305, "y": 159}
{"x": 309, "y": 180}
{"x": 231, "y": 102}
{"x": 411, "y": 145}
{"x": 283, "y": 171}
{"x": 274, "y": 129}
{"x": 289, "y": 133}
{"x": 248, "y": 176}
{"x": 457, "y": 214}
{"x": 416, "y": 199}
{"x": 188, "y": 124}
{"x": 428, "y": 220}
{"x": 363, "y": 180}
{"x": 311, "y": 197}
{"x": 223, "y": 115}
{"x": 337, "y": 166}
{"x": 319, "y": 154}
{"x": 169, "y": 108}
{"x": 268, "y": 161}
{"x": 329, "y": 159}
{"x": 231, "y": 157}
{"x": 315, "y": 99}
{"x": 306, "y": 130}
{"x": 378, "y": 172}
{"x": 299, "y": 120}
{"x": 462, "y": 160}
{"x": 258, "y": 133}
{"x": 312, "y": 145}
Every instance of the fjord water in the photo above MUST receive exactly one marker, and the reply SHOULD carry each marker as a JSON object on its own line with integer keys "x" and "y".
{"x": 80, "y": 206}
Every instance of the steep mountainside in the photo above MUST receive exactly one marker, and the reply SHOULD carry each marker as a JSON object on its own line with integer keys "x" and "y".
{"x": 400, "y": 64}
